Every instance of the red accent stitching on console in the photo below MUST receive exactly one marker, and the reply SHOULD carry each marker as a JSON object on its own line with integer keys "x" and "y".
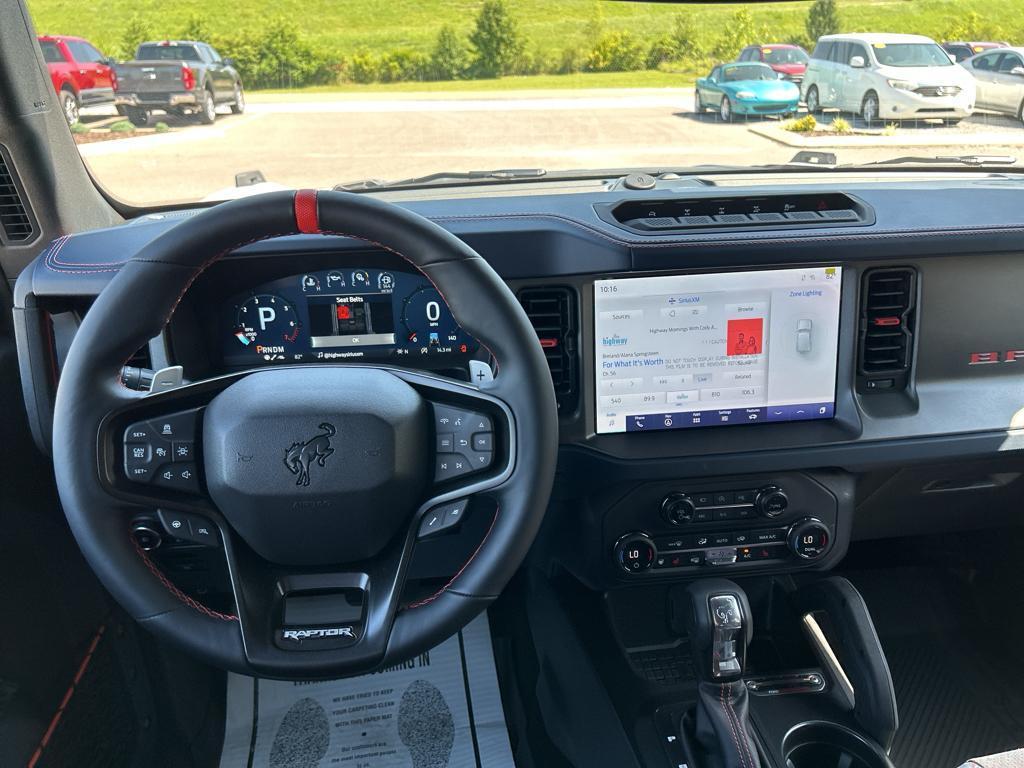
{"x": 55, "y": 720}
{"x": 190, "y": 602}
{"x": 307, "y": 214}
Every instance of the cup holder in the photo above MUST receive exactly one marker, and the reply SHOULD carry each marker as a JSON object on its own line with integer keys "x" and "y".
{"x": 827, "y": 745}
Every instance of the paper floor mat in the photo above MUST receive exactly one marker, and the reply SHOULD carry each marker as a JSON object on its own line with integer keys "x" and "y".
{"x": 440, "y": 710}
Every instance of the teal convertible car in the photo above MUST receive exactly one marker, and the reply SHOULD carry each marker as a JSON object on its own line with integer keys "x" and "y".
{"x": 745, "y": 89}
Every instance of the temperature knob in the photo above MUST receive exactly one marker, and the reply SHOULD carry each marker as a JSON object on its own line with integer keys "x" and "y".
{"x": 634, "y": 552}
{"x": 809, "y": 539}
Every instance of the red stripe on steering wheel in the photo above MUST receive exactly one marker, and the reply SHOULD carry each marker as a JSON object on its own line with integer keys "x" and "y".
{"x": 307, "y": 216}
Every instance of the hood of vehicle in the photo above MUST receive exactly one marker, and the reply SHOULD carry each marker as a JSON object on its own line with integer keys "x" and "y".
{"x": 951, "y": 75}
{"x": 791, "y": 68}
{"x": 772, "y": 90}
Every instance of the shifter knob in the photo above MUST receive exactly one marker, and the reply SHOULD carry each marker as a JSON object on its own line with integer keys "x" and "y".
{"x": 720, "y": 627}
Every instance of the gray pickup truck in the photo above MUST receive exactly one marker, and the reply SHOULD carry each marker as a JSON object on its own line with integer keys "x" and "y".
{"x": 182, "y": 77}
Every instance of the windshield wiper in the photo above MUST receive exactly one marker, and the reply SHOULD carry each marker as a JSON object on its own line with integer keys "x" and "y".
{"x": 972, "y": 160}
{"x": 501, "y": 174}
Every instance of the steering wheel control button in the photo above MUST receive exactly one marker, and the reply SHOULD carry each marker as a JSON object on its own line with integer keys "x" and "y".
{"x": 481, "y": 460}
{"x": 183, "y": 450}
{"x": 443, "y": 518}
{"x": 771, "y": 501}
{"x": 460, "y": 435}
{"x": 451, "y": 465}
{"x": 809, "y": 539}
{"x": 139, "y": 433}
{"x": 635, "y": 552}
{"x": 182, "y": 477}
{"x": 191, "y": 528}
{"x": 151, "y": 447}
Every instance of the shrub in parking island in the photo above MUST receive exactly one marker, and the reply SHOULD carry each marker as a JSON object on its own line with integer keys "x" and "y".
{"x": 841, "y": 125}
{"x": 161, "y": 127}
{"x": 122, "y": 126}
{"x": 805, "y": 124}
{"x": 496, "y": 40}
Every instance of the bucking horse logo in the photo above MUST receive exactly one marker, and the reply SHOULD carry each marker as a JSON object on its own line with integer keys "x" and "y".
{"x": 300, "y": 456}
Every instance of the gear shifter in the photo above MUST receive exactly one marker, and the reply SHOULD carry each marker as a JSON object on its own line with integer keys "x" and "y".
{"x": 720, "y": 628}
{"x": 728, "y": 645}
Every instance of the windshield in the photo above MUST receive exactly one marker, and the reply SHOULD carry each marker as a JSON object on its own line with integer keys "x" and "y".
{"x": 749, "y": 72}
{"x": 498, "y": 93}
{"x": 783, "y": 56}
{"x": 911, "y": 55}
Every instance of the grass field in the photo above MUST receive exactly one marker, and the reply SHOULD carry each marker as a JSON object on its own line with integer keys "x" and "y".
{"x": 348, "y": 26}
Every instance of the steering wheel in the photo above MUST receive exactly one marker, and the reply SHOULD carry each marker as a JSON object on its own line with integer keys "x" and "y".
{"x": 316, "y": 481}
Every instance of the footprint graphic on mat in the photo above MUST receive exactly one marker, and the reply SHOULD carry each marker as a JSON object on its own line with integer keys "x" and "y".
{"x": 302, "y": 738}
{"x": 425, "y": 725}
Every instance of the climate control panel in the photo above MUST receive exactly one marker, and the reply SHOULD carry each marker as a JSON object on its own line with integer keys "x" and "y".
{"x": 780, "y": 523}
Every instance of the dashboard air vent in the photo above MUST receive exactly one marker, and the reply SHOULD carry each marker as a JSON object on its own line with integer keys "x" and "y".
{"x": 16, "y": 225}
{"x": 705, "y": 214}
{"x": 887, "y": 319}
{"x": 552, "y": 311}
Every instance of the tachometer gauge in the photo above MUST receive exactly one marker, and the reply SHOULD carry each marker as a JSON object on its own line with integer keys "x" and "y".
{"x": 268, "y": 325}
{"x": 429, "y": 324}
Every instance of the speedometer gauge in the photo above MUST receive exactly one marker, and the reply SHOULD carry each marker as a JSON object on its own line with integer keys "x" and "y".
{"x": 429, "y": 324}
{"x": 268, "y": 325}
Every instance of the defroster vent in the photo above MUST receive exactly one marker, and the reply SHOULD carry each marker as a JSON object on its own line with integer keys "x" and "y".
{"x": 887, "y": 320}
{"x": 16, "y": 224}
{"x": 552, "y": 311}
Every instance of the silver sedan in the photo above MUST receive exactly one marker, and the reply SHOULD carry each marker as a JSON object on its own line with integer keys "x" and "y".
{"x": 1000, "y": 77}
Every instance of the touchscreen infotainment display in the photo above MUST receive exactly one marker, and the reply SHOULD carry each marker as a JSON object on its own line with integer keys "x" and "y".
{"x": 702, "y": 350}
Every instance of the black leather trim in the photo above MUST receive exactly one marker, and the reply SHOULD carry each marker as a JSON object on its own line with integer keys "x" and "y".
{"x": 723, "y": 725}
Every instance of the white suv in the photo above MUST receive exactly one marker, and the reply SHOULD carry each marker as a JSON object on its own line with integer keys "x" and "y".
{"x": 887, "y": 77}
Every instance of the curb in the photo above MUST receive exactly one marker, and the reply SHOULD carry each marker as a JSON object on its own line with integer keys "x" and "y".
{"x": 898, "y": 140}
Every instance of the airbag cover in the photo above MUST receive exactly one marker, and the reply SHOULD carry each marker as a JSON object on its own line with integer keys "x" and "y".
{"x": 317, "y": 465}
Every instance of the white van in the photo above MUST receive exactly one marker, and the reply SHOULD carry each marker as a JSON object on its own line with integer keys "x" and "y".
{"x": 887, "y": 77}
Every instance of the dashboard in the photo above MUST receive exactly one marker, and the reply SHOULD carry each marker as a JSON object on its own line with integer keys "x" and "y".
{"x": 850, "y": 378}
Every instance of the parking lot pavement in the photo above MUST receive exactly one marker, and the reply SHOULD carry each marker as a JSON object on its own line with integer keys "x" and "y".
{"x": 322, "y": 141}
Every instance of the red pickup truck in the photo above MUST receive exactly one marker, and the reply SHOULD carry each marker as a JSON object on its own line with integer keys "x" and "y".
{"x": 81, "y": 75}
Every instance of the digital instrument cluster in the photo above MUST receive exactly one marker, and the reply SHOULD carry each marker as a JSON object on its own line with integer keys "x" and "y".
{"x": 343, "y": 315}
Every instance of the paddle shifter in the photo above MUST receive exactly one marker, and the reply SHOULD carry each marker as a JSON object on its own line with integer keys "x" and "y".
{"x": 720, "y": 627}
